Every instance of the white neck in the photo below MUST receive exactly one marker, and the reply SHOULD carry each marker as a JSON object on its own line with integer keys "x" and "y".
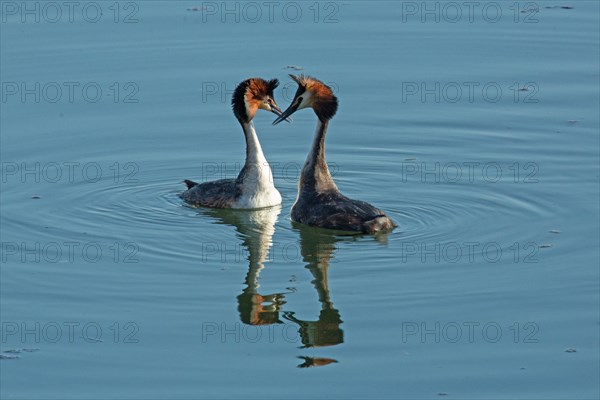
{"x": 256, "y": 168}
{"x": 254, "y": 153}
{"x": 256, "y": 177}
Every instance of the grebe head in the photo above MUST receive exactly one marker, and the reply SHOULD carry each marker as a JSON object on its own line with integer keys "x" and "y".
{"x": 254, "y": 94}
{"x": 314, "y": 94}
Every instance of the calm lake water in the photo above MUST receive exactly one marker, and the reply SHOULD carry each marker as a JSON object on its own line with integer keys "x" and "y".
{"x": 475, "y": 127}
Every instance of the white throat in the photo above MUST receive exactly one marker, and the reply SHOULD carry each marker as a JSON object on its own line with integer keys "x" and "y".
{"x": 254, "y": 153}
{"x": 256, "y": 169}
{"x": 256, "y": 178}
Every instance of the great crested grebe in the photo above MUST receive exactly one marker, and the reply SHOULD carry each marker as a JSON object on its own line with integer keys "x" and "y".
{"x": 319, "y": 201}
{"x": 253, "y": 188}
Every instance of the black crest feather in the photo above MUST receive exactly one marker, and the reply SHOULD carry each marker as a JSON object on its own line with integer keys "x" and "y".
{"x": 272, "y": 85}
{"x": 237, "y": 101}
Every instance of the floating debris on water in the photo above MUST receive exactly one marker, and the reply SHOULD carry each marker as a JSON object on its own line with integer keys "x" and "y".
{"x": 442, "y": 394}
{"x": 203, "y": 8}
{"x": 36, "y": 197}
{"x": 410, "y": 159}
{"x": 571, "y": 350}
{"x": 294, "y": 67}
{"x": 554, "y": 231}
{"x": 545, "y": 245}
{"x": 562, "y": 7}
{"x": 10, "y": 352}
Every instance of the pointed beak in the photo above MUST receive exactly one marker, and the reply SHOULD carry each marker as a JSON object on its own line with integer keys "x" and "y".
{"x": 290, "y": 110}
{"x": 277, "y": 111}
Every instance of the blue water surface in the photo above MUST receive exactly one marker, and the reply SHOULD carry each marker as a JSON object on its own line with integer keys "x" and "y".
{"x": 475, "y": 129}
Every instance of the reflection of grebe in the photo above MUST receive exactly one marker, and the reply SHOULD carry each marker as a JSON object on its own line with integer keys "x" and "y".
{"x": 317, "y": 249}
{"x": 255, "y": 228}
{"x": 253, "y": 187}
{"x": 319, "y": 201}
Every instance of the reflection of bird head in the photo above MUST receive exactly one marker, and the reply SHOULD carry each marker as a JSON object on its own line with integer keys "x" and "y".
{"x": 324, "y": 332}
{"x": 254, "y": 311}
